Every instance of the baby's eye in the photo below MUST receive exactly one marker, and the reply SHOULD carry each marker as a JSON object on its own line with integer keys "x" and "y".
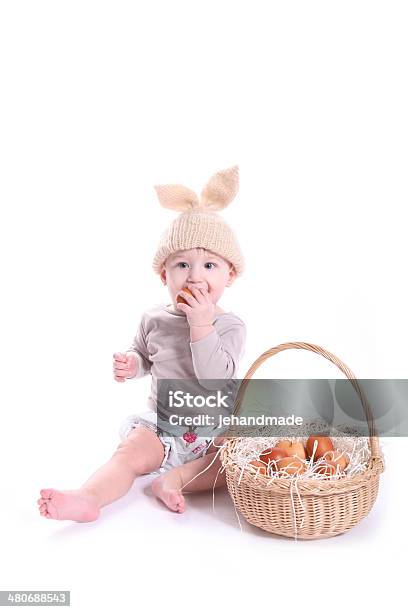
{"x": 181, "y": 263}
{"x": 211, "y": 264}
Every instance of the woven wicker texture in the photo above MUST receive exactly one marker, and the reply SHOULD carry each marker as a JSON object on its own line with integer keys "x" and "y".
{"x": 304, "y": 508}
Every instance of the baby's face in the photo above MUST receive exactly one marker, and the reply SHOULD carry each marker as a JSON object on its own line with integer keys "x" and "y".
{"x": 197, "y": 268}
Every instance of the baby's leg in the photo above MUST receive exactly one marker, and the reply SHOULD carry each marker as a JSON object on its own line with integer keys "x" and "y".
{"x": 140, "y": 453}
{"x": 168, "y": 486}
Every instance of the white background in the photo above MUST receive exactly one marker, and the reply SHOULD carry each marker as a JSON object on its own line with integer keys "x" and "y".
{"x": 99, "y": 102}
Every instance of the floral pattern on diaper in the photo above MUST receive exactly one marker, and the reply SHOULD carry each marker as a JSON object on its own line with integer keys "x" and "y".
{"x": 189, "y": 437}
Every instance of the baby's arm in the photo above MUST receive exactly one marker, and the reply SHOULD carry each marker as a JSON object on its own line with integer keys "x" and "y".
{"x": 217, "y": 355}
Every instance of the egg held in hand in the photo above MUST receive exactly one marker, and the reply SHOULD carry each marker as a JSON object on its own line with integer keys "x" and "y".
{"x": 180, "y": 299}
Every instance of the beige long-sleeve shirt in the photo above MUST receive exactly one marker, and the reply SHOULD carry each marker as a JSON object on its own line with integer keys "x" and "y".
{"x": 164, "y": 350}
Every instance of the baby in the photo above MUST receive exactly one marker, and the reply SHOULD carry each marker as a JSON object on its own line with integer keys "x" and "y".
{"x": 195, "y": 340}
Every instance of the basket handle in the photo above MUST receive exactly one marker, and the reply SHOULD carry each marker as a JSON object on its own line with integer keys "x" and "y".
{"x": 374, "y": 443}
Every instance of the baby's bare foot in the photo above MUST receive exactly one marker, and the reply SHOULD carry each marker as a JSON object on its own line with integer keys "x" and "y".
{"x": 73, "y": 505}
{"x": 168, "y": 490}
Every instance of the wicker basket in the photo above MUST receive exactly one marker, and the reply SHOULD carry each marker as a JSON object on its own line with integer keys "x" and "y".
{"x": 319, "y": 508}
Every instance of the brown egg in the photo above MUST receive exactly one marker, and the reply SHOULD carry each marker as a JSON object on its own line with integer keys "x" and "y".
{"x": 259, "y": 466}
{"x": 290, "y": 465}
{"x": 180, "y": 299}
{"x": 292, "y": 448}
{"x": 338, "y": 458}
{"x": 272, "y": 454}
{"x": 327, "y": 468}
{"x": 323, "y": 445}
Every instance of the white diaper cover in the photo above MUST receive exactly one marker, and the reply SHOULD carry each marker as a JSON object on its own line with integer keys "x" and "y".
{"x": 177, "y": 451}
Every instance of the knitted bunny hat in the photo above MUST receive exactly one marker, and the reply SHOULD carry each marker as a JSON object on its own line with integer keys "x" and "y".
{"x": 199, "y": 225}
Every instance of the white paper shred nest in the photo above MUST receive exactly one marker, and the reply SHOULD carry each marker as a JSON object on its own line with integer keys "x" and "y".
{"x": 355, "y": 447}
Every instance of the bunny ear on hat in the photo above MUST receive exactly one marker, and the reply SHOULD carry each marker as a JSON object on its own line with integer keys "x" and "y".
{"x": 220, "y": 190}
{"x": 176, "y": 197}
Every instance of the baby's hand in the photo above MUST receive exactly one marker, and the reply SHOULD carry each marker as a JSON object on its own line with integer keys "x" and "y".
{"x": 199, "y": 309}
{"x": 124, "y": 366}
